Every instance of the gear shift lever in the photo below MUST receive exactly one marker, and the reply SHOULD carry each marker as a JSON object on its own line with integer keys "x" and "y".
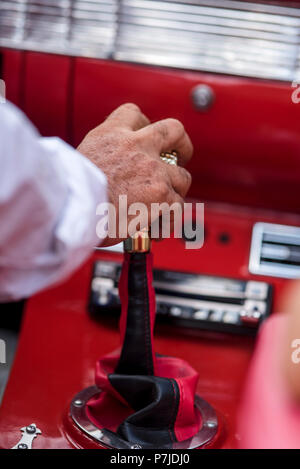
{"x": 143, "y": 400}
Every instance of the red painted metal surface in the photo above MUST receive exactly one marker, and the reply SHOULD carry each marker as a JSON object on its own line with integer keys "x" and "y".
{"x": 41, "y": 85}
{"x": 246, "y": 146}
{"x": 12, "y": 73}
{"x": 60, "y": 344}
{"x": 47, "y": 98}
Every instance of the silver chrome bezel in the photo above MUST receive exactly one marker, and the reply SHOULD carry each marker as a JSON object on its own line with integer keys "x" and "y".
{"x": 111, "y": 440}
{"x": 271, "y": 269}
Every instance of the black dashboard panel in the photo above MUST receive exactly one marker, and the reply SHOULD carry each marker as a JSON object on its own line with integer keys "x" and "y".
{"x": 190, "y": 300}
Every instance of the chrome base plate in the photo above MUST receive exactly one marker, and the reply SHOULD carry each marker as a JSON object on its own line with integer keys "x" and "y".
{"x": 111, "y": 440}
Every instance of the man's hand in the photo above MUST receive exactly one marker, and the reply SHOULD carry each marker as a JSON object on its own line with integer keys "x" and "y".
{"x": 127, "y": 148}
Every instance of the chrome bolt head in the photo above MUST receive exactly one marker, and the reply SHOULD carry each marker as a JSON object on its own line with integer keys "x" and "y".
{"x": 78, "y": 403}
{"x": 211, "y": 424}
{"x": 203, "y": 97}
{"x": 31, "y": 429}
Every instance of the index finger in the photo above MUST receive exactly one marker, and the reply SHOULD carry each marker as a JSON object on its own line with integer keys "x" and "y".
{"x": 128, "y": 116}
{"x": 168, "y": 135}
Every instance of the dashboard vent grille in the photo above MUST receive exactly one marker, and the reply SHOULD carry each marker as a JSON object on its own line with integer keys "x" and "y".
{"x": 232, "y": 37}
{"x": 71, "y": 27}
{"x": 275, "y": 251}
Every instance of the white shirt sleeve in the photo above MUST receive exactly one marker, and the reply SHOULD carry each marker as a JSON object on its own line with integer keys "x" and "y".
{"x": 48, "y": 198}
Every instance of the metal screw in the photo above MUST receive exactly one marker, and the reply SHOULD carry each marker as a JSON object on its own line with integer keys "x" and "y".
{"x": 22, "y": 446}
{"x": 31, "y": 429}
{"x": 78, "y": 403}
{"x": 203, "y": 97}
{"x": 136, "y": 447}
{"x": 210, "y": 424}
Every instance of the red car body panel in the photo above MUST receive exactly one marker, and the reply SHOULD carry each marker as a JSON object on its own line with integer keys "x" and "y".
{"x": 246, "y": 164}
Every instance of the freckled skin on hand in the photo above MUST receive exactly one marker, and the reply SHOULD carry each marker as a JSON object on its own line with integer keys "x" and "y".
{"x": 127, "y": 148}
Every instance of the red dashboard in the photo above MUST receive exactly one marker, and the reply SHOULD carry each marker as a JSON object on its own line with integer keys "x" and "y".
{"x": 246, "y": 168}
{"x": 60, "y": 343}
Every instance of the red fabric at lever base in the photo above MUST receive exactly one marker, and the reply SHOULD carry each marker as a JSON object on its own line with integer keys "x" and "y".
{"x": 150, "y": 398}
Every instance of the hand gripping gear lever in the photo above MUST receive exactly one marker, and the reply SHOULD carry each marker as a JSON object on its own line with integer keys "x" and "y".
{"x": 143, "y": 400}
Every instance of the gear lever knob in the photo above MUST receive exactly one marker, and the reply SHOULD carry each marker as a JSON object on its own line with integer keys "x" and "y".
{"x": 140, "y": 242}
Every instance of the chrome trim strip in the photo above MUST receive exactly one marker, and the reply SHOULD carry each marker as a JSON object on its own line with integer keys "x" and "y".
{"x": 200, "y": 288}
{"x": 232, "y": 37}
{"x": 210, "y": 305}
